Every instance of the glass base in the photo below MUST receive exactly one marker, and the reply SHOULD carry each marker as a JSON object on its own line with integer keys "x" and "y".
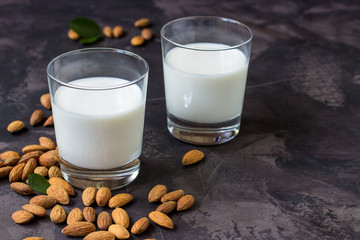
{"x": 203, "y": 134}
{"x": 111, "y": 178}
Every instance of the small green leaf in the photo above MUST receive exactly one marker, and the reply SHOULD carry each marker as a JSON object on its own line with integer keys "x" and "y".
{"x": 85, "y": 27}
{"x": 89, "y": 40}
{"x": 38, "y": 183}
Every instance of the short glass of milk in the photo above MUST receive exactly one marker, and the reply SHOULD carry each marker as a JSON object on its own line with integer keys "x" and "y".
{"x": 205, "y": 64}
{"x": 98, "y": 103}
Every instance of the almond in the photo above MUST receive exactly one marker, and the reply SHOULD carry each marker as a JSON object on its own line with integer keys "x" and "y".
{"x": 29, "y": 168}
{"x": 49, "y": 121}
{"x": 34, "y": 147}
{"x": 35, "y": 210}
{"x": 47, "y": 142}
{"x": 119, "y": 231}
{"x": 49, "y": 158}
{"x": 10, "y": 157}
{"x": 166, "y": 207}
{"x": 104, "y": 220}
{"x": 173, "y": 196}
{"x": 137, "y": 41}
{"x": 45, "y": 100}
{"x": 27, "y": 156}
{"x": 161, "y": 219}
{"x": 43, "y": 171}
{"x": 140, "y": 226}
{"x": 117, "y": 31}
{"x": 192, "y": 157}
{"x": 59, "y": 193}
{"x": 21, "y": 188}
{"x": 78, "y": 229}
{"x": 16, "y": 173}
{"x": 22, "y": 216}
{"x": 63, "y": 183}
{"x": 103, "y": 196}
{"x": 120, "y": 200}
{"x": 73, "y": 35}
{"x": 146, "y": 33}
{"x": 156, "y": 193}
{"x": 4, "y": 171}
{"x": 15, "y": 126}
{"x": 58, "y": 214}
{"x": 103, "y": 235}
{"x": 33, "y": 238}
{"x": 89, "y": 195}
{"x": 142, "y": 22}
{"x": 2, "y": 164}
{"x": 43, "y": 200}
{"x": 185, "y": 202}
{"x": 55, "y": 171}
{"x": 36, "y": 117}
{"x": 107, "y": 31}
{"x": 120, "y": 217}
{"x": 75, "y": 215}
{"x": 89, "y": 214}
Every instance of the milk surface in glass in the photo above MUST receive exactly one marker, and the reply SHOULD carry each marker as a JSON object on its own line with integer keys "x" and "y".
{"x": 99, "y": 129}
{"x": 205, "y": 86}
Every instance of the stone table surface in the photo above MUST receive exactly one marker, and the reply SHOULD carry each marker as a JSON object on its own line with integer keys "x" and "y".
{"x": 293, "y": 170}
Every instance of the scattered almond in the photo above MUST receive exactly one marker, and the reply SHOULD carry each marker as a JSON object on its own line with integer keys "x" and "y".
{"x": 120, "y": 200}
{"x": 55, "y": 171}
{"x": 142, "y": 22}
{"x": 33, "y": 238}
{"x": 43, "y": 171}
{"x": 49, "y": 121}
{"x": 59, "y": 193}
{"x": 120, "y": 217}
{"x": 45, "y": 100}
{"x": 192, "y": 157}
{"x": 185, "y": 202}
{"x": 29, "y": 168}
{"x": 4, "y": 171}
{"x": 117, "y": 31}
{"x": 49, "y": 159}
{"x": 140, "y": 226}
{"x": 157, "y": 192}
{"x": 107, "y": 31}
{"x": 16, "y": 173}
{"x": 173, "y": 196}
{"x": 22, "y": 216}
{"x": 89, "y": 196}
{"x": 89, "y": 214}
{"x": 166, "y": 207}
{"x": 36, "y": 154}
{"x": 146, "y": 33}
{"x": 161, "y": 219}
{"x": 32, "y": 148}
{"x": 47, "y": 142}
{"x": 21, "y": 188}
{"x": 104, "y": 220}
{"x": 35, "y": 210}
{"x": 103, "y": 196}
{"x": 75, "y": 215}
{"x": 137, "y": 41}
{"x": 73, "y": 35}
{"x": 43, "y": 200}
{"x": 103, "y": 235}
{"x": 36, "y": 117}
{"x": 63, "y": 183}
{"x": 78, "y": 229}
{"x": 58, "y": 214}
{"x": 119, "y": 231}
{"x": 10, "y": 157}
{"x": 15, "y": 126}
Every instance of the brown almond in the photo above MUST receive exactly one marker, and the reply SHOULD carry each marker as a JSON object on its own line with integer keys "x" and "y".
{"x": 185, "y": 202}
{"x": 4, "y": 171}
{"x": 59, "y": 193}
{"x": 104, "y": 220}
{"x": 166, "y": 207}
{"x": 117, "y": 31}
{"x": 142, "y": 22}
{"x": 73, "y": 35}
{"x": 58, "y": 214}
{"x": 29, "y": 168}
{"x": 47, "y": 142}
{"x": 75, "y": 215}
{"x": 36, "y": 117}
{"x": 173, "y": 196}
{"x": 137, "y": 41}
{"x": 146, "y": 33}
{"x": 120, "y": 200}
{"x": 103, "y": 235}
{"x": 33, "y": 238}
{"x": 140, "y": 226}
{"x": 119, "y": 231}
{"x": 10, "y": 157}
{"x": 49, "y": 121}
{"x": 43, "y": 201}
{"x": 16, "y": 173}
{"x": 2, "y": 164}
{"x": 49, "y": 158}
{"x": 89, "y": 214}
{"x": 121, "y": 217}
{"x": 161, "y": 219}
{"x": 63, "y": 183}
{"x": 89, "y": 196}
{"x": 54, "y": 171}
{"x": 43, "y": 171}
{"x": 15, "y": 126}
{"x": 107, "y": 31}
{"x": 22, "y": 217}
{"x": 78, "y": 229}
{"x": 192, "y": 157}
{"x": 35, "y": 210}
{"x": 45, "y": 100}
{"x": 36, "y": 154}
{"x": 157, "y": 192}
{"x": 21, "y": 188}
{"x": 103, "y": 196}
{"x": 34, "y": 147}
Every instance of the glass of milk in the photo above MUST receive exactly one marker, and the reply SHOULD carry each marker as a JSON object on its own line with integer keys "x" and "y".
{"x": 205, "y": 64}
{"x": 98, "y": 103}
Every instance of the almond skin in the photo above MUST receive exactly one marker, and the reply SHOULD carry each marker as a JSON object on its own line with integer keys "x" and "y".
{"x": 89, "y": 196}
{"x": 185, "y": 202}
{"x": 140, "y": 226}
{"x": 24, "y": 158}
{"x": 146, "y": 33}
{"x": 55, "y": 171}
{"x": 43, "y": 200}
{"x": 192, "y": 157}
{"x": 75, "y": 215}
{"x": 161, "y": 219}
{"x": 78, "y": 229}
{"x": 29, "y": 168}
{"x": 107, "y": 31}
{"x": 137, "y": 41}
{"x": 36, "y": 117}
{"x": 118, "y": 31}
{"x": 47, "y": 142}
{"x": 103, "y": 235}
{"x": 4, "y": 171}
{"x": 119, "y": 231}
{"x": 34, "y": 147}
{"x": 103, "y": 196}
{"x": 104, "y": 220}
{"x": 16, "y": 173}
{"x": 157, "y": 192}
{"x": 33, "y": 238}
{"x": 121, "y": 217}
{"x": 15, "y": 126}
{"x": 10, "y": 157}
{"x": 120, "y": 200}
{"x": 49, "y": 159}
{"x": 49, "y": 121}
{"x": 58, "y": 214}
{"x": 142, "y": 22}
{"x": 173, "y": 196}
{"x": 59, "y": 193}
{"x": 22, "y": 216}
{"x": 35, "y": 210}
{"x": 166, "y": 207}
{"x": 89, "y": 214}
{"x": 45, "y": 100}
{"x": 73, "y": 35}
{"x": 21, "y": 188}
{"x": 63, "y": 183}
{"x": 43, "y": 171}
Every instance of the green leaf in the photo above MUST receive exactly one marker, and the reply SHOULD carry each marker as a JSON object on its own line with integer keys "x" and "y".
{"x": 89, "y": 40}
{"x": 85, "y": 27}
{"x": 38, "y": 183}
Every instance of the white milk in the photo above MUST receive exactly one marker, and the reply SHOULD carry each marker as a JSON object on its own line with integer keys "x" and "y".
{"x": 99, "y": 129}
{"x": 205, "y": 86}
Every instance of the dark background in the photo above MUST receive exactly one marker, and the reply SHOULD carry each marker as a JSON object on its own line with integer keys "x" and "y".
{"x": 293, "y": 170}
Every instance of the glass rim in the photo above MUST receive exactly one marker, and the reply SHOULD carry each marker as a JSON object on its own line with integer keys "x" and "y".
{"x": 224, "y": 19}
{"x": 98, "y": 49}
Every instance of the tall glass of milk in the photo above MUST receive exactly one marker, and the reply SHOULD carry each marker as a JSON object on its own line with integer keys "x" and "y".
{"x": 205, "y": 64}
{"x": 98, "y": 103}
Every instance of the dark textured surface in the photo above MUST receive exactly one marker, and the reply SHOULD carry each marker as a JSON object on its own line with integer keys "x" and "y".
{"x": 291, "y": 173}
